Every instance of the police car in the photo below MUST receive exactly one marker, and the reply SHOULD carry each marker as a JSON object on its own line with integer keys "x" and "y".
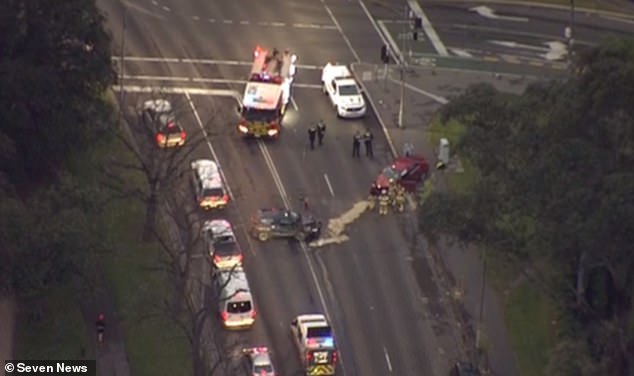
{"x": 343, "y": 91}
{"x": 258, "y": 361}
{"x": 209, "y": 187}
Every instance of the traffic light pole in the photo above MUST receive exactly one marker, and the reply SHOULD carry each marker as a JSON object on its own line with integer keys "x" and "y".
{"x": 401, "y": 107}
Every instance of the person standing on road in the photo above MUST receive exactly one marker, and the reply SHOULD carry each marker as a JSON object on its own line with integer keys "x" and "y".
{"x": 321, "y": 131}
{"x": 356, "y": 145}
{"x": 367, "y": 139}
{"x": 311, "y": 136}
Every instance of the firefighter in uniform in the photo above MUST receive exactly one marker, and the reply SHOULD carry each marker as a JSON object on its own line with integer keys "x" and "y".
{"x": 399, "y": 199}
{"x": 384, "y": 202}
{"x": 391, "y": 192}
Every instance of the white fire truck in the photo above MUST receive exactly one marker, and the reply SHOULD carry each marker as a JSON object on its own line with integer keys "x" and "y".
{"x": 267, "y": 93}
{"x": 316, "y": 344}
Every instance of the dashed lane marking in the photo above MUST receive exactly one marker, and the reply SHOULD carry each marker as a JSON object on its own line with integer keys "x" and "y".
{"x": 205, "y": 80}
{"x": 152, "y": 59}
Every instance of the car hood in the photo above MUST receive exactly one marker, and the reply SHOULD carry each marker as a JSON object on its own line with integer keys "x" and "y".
{"x": 351, "y": 100}
{"x": 382, "y": 181}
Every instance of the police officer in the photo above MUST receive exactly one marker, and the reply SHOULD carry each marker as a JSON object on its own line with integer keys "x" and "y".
{"x": 312, "y": 132}
{"x": 356, "y": 145}
{"x": 321, "y": 131}
{"x": 384, "y": 202}
{"x": 368, "y": 137}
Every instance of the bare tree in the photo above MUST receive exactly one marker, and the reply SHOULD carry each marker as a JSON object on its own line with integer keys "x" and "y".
{"x": 161, "y": 167}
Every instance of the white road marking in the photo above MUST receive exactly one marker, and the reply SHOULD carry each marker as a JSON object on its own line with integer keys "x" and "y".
{"x": 383, "y": 35}
{"x": 618, "y": 19}
{"x": 211, "y": 148}
{"x": 343, "y": 35}
{"x": 460, "y": 52}
{"x": 212, "y": 20}
{"x": 435, "y": 97}
{"x": 391, "y": 42}
{"x": 199, "y": 61}
{"x": 155, "y": 2}
{"x": 329, "y": 185}
{"x": 428, "y": 28}
{"x": 278, "y": 24}
{"x": 227, "y": 21}
{"x": 167, "y": 9}
{"x": 178, "y": 90}
{"x": 209, "y": 80}
{"x": 294, "y": 104}
{"x": 195, "y": 18}
{"x": 487, "y": 12}
{"x": 387, "y": 359}
{"x": 244, "y": 22}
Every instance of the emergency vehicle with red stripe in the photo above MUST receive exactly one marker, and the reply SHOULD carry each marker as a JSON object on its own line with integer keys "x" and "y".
{"x": 267, "y": 93}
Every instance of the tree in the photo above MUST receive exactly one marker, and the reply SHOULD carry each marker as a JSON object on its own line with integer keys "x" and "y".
{"x": 55, "y": 66}
{"x": 163, "y": 169}
{"x": 48, "y": 239}
{"x": 553, "y": 190}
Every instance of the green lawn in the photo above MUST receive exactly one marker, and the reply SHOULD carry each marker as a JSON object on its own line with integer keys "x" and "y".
{"x": 531, "y": 320}
{"x": 528, "y": 315}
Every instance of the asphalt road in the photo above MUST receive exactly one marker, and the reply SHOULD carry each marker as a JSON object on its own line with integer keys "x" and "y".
{"x": 519, "y": 32}
{"x": 384, "y": 324}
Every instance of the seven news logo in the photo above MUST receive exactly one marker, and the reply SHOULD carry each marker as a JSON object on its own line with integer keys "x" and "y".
{"x": 55, "y": 367}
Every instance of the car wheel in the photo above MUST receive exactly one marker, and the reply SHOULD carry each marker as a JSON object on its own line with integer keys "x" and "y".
{"x": 323, "y": 88}
{"x": 263, "y": 236}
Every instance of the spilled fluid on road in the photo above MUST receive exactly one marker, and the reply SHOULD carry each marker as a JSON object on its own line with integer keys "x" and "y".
{"x": 336, "y": 226}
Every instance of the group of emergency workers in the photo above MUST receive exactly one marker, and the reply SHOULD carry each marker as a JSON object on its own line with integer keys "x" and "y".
{"x": 393, "y": 195}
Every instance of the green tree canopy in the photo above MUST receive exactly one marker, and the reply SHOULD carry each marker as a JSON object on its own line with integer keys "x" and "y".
{"x": 555, "y": 190}
{"x": 54, "y": 67}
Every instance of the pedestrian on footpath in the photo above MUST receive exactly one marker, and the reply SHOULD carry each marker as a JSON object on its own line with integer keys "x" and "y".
{"x": 356, "y": 145}
{"x": 321, "y": 131}
{"x": 368, "y": 138}
{"x": 311, "y": 136}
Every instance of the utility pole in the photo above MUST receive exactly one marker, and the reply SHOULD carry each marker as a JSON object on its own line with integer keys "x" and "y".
{"x": 479, "y": 329}
{"x": 121, "y": 60}
{"x": 405, "y": 34}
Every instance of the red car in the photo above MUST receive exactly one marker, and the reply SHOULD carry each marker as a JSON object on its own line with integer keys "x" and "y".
{"x": 408, "y": 172}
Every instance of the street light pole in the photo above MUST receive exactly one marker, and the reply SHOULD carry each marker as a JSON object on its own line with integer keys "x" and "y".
{"x": 401, "y": 107}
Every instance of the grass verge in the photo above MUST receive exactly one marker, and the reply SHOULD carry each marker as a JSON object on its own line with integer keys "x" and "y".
{"x": 155, "y": 344}
{"x": 528, "y": 315}
{"x": 531, "y": 321}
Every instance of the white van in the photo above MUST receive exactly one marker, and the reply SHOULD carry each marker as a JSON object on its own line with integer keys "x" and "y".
{"x": 235, "y": 302}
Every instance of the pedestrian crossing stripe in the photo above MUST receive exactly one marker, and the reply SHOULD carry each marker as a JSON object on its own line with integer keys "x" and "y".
{"x": 321, "y": 369}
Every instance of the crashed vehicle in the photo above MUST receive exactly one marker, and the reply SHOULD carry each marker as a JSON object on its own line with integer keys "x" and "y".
{"x": 282, "y": 223}
{"x": 408, "y": 172}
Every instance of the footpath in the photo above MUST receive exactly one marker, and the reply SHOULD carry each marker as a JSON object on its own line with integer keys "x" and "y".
{"x": 458, "y": 272}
